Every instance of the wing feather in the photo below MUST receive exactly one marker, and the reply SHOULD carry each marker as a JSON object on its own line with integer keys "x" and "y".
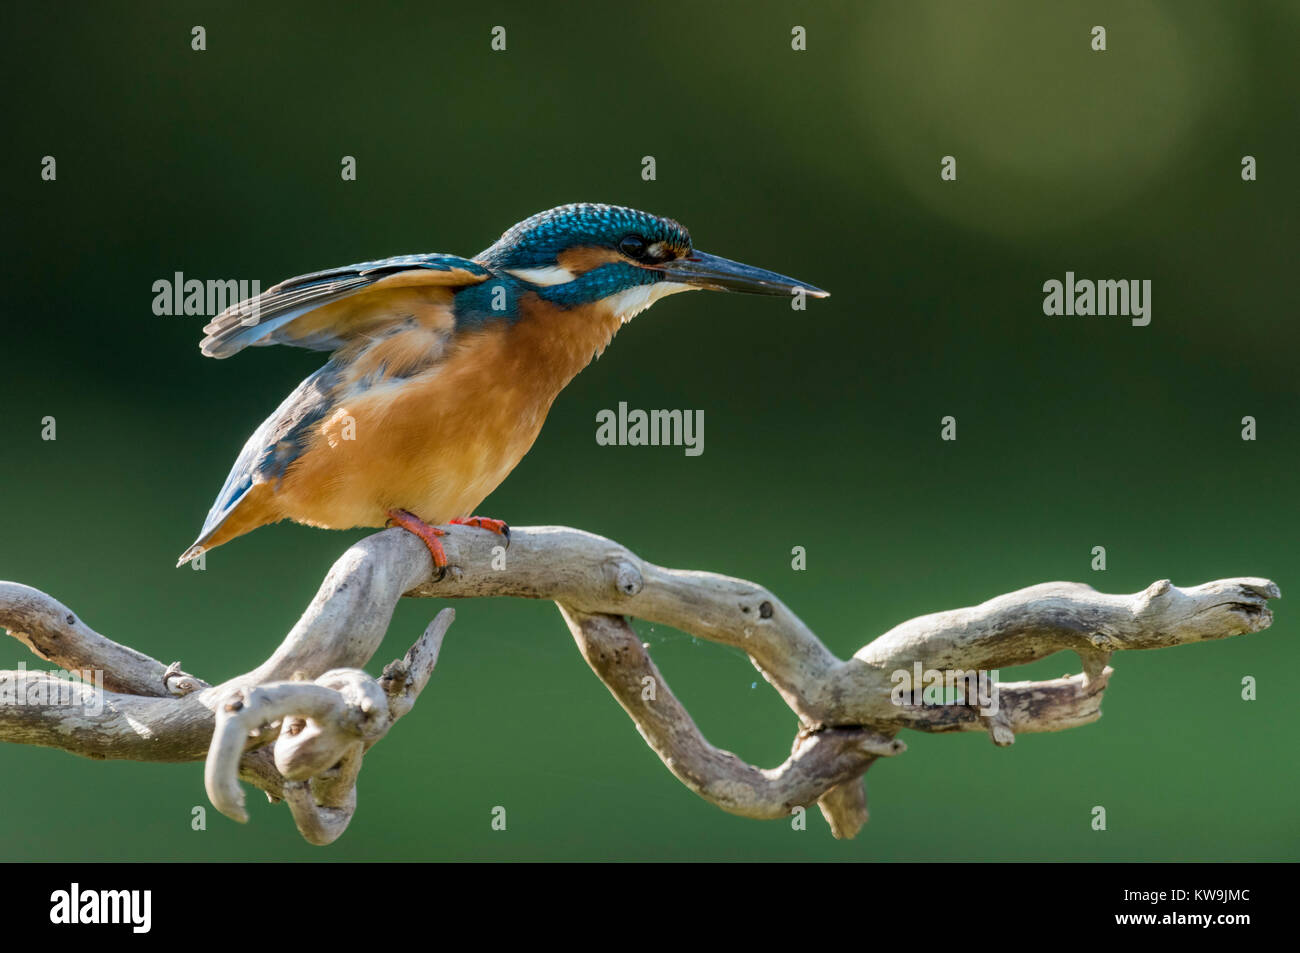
{"x": 286, "y": 313}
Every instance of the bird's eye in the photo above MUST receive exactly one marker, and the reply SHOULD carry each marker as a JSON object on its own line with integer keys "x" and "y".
{"x": 634, "y": 246}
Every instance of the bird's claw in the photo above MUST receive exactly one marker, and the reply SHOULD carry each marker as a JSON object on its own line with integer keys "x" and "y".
{"x": 427, "y": 535}
{"x": 486, "y": 522}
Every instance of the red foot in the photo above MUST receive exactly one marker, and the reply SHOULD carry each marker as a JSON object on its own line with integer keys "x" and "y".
{"x": 485, "y": 522}
{"x": 427, "y": 534}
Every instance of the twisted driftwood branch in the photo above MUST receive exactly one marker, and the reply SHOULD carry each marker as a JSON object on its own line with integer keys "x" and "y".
{"x": 298, "y": 726}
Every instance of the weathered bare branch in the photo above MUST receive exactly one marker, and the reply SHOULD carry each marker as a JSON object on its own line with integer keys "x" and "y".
{"x": 298, "y": 725}
{"x": 55, "y": 634}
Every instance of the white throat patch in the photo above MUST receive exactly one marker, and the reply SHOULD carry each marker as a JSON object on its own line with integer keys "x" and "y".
{"x": 631, "y": 302}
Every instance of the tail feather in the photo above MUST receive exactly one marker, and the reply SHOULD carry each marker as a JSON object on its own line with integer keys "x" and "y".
{"x": 256, "y": 508}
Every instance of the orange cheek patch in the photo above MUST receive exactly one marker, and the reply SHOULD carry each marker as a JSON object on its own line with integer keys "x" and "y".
{"x": 584, "y": 258}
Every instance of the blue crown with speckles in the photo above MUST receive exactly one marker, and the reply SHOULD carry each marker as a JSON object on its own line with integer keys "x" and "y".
{"x": 539, "y": 239}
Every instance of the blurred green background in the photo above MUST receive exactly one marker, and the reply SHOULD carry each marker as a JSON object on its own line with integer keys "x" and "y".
{"x": 822, "y": 427}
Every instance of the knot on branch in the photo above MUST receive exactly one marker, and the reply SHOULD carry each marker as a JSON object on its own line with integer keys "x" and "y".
{"x": 318, "y": 731}
{"x": 627, "y": 578}
{"x": 180, "y": 683}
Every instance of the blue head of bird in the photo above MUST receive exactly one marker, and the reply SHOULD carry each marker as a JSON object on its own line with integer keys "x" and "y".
{"x": 585, "y": 253}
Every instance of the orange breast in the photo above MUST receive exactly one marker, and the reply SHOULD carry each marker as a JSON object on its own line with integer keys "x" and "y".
{"x": 437, "y": 443}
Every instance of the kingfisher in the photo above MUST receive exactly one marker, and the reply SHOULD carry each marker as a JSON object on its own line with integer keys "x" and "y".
{"x": 442, "y": 369}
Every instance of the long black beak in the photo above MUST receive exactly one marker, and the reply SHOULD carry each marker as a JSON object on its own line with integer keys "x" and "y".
{"x": 722, "y": 274}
